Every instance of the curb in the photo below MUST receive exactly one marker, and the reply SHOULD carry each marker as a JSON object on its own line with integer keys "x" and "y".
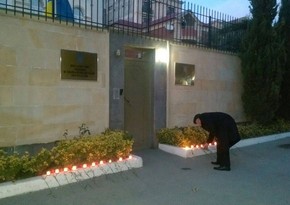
{"x": 193, "y": 152}
{"x": 8, "y": 189}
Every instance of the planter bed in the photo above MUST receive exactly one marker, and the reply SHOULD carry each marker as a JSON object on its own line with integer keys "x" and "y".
{"x": 8, "y": 189}
{"x": 193, "y": 152}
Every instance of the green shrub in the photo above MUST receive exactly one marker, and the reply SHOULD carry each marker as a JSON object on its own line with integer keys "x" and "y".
{"x": 182, "y": 136}
{"x": 187, "y": 136}
{"x": 15, "y": 166}
{"x": 250, "y": 130}
{"x": 85, "y": 149}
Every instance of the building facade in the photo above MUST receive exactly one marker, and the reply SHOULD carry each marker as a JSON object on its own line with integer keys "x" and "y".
{"x": 136, "y": 88}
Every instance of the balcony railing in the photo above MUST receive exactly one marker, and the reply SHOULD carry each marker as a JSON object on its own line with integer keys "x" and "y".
{"x": 171, "y": 20}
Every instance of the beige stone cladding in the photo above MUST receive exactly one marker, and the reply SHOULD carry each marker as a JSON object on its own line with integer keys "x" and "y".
{"x": 217, "y": 85}
{"x": 36, "y": 105}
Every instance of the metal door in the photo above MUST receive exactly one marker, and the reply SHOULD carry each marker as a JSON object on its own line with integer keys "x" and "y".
{"x": 137, "y": 95}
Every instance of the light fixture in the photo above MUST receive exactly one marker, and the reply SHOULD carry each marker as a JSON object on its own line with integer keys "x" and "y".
{"x": 161, "y": 55}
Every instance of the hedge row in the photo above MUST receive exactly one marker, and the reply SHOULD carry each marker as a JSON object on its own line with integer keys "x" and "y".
{"x": 108, "y": 145}
{"x": 186, "y": 136}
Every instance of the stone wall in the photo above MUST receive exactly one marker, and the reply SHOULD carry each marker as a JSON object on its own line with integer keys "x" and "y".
{"x": 217, "y": 85}
{"x": 36, "y": 105}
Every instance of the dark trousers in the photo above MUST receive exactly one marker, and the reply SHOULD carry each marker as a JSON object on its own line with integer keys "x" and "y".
{"x": 223, "y": 151}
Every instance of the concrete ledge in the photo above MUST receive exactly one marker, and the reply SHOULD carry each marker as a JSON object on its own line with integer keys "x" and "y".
{"x": 263, "y": 139}
{"x": 192, "y": 152}
{"x": 9, "y": 189}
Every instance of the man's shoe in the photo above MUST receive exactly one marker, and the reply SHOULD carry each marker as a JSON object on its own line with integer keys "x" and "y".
{"x": 215, "y": 163}
{"x": 222, "y": 168}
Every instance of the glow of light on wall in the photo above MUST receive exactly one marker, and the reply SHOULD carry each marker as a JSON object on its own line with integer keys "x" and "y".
{"x": 161, "y": 55}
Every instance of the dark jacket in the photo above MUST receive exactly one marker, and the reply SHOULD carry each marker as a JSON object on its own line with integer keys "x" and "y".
{"x": 220, "y": 125}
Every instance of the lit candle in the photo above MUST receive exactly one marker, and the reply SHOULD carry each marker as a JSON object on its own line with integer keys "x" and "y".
{"x": 93, "y": 164}
{"x": 120, "y": 159}
{"x": 56, "y": 171}
{"x": 48, "y": 173}
{"x": 85, "y": 166}
{"x": 65, "y": 169}
{"x": 130, "y": 157}
{"x": 74, "y": 168}
{"x": 101, "y": 162}
{"x": 110, "y": 161}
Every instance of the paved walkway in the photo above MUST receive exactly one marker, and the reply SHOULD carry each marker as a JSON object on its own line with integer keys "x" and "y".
{"x": 260, "y": 176}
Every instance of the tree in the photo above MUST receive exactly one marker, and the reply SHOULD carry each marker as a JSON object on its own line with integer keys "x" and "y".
{"x": 283, "y": 30}
{"x": 260, "y": 57}
{"x": 230, "y": 36}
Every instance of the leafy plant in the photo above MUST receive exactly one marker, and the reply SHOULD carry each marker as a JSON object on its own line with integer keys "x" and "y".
{"x": 254, "y": 129}
{"x": 282, "y": 28}
{"x": 186, "y": 136}
{"x": 261, "y": 53}
{"x": 110, "y": 144}
{"x": 182, "y": 136}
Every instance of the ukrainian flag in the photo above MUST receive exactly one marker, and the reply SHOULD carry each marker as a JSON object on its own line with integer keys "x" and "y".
{"x": 49, "y": 8}
{"x": 64, "y": 10}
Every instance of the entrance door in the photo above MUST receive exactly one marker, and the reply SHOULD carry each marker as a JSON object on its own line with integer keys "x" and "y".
{"x": 137, "y": 95}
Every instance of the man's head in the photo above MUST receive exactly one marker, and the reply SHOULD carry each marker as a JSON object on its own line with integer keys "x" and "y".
{"x": 196, "y": 120}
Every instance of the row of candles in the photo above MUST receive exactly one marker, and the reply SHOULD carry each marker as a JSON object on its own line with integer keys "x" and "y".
{"x": 84, "y": 166}
{"x": 200, "y": 146}
{"x": 93, "y": 164}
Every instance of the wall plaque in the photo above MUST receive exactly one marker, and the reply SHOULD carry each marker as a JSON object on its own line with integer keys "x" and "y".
{"x": 184, "y": 74}
{"x": 79, "y": 65}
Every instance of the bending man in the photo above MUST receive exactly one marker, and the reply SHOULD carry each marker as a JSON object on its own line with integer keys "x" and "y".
{"x": 222, "y": 127}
